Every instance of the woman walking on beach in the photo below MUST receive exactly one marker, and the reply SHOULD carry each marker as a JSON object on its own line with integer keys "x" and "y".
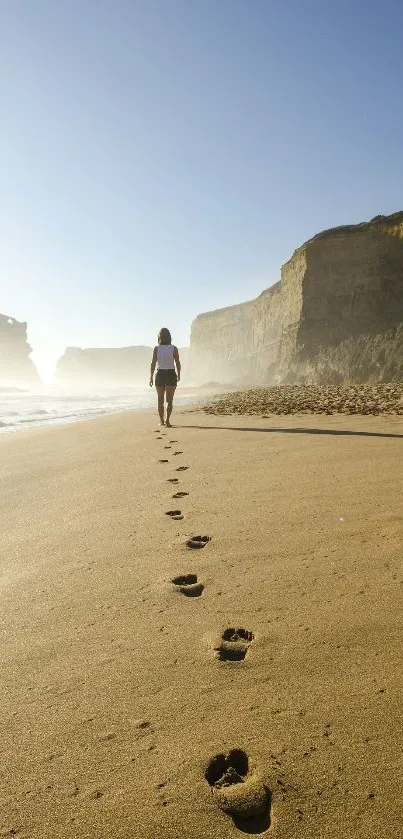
{"x": 165, "y": 357}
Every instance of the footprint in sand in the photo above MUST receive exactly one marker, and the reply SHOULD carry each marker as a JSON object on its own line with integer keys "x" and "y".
{"x": 180, "y": 494}
{"x": 181, "y": 468}
{"x": 188, "y": 585}
{"x": 177, "y": 453}
{"x": 174, "y": 441}
{"x": 175, "y": 514}
{"x": 198, "y": 541}
{"x": 163, "y": 461}
{"x": 234, "y": 644}
{"x": 239, "y": 792}
{"x": 173, "y": 480}
{"x": 167, "y": 447}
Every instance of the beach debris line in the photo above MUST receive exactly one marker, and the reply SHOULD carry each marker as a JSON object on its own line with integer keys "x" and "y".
{"x": 311, "y": 399}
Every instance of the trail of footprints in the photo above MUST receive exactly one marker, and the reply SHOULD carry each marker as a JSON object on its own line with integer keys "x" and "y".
{"x": 234, "y": 644}
{"x": 175, "y": 514}
{"x": 188, "y": 585}
{"x": 237, "y": 789}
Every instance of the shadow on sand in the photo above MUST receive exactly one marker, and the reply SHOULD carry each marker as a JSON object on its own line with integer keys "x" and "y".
{"x": 257, "y": 824}
{"x": 331, "y": 431}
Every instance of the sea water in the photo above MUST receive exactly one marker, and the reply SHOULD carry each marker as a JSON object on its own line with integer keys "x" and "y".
{"x": 22, "y": 408}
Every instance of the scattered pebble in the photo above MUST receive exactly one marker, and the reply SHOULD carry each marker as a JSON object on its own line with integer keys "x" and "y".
{"x": 311, "y": 399}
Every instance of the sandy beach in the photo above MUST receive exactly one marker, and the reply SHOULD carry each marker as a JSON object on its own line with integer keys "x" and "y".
{"x": 117, "y": 694}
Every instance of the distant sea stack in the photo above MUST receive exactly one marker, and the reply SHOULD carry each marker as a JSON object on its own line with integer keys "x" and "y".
{"x": 109, "y": 365}
{"x": 336, "y": 315}
{"x": 15, "y": 362}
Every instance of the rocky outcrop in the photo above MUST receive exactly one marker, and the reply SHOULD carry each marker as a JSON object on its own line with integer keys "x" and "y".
{"x": 15, "y": 362}
{"x": 379, "y": 398}
{"x": 335, "y": 315}
{"x": 111, "y": 365}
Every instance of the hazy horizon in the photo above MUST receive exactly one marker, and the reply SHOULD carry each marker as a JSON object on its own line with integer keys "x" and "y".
{"x": 165, "y": 159}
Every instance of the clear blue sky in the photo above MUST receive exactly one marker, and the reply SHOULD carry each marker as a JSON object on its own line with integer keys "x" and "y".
{"x": 160, "y": 158}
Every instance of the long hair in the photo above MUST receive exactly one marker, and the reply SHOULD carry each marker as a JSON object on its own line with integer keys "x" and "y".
{"x": 164, "y": 336}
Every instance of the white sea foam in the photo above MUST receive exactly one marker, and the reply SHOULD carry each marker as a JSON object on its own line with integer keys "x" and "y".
{"x": 20, "y": 410}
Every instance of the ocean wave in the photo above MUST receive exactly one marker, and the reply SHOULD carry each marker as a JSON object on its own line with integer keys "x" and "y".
{"x": 36, "y": 410}
{"x": 35, "y": 418}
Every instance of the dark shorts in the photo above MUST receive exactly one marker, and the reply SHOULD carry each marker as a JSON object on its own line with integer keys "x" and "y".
{"x": 166, "y": 377}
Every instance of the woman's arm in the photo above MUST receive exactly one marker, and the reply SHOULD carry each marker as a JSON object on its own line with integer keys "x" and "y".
{"x": 153, "y": 365}
{"x": 177, "y": 362}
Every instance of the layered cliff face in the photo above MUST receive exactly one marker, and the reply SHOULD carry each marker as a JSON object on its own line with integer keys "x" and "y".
{"x": 352, "y": 302}
{"x": 15, "y": 362}
{"x": 336, "y": 314}
{"x": 111, "y": 365}
{"x": 220, "y": 344}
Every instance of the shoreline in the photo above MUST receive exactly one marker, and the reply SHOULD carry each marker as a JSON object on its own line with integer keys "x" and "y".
{"x": 33, "y": 410}
{"x": 266, "y": 401}
{"x": 114, "y": 695}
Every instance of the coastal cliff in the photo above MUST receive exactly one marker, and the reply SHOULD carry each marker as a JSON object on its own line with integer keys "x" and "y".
{"x": 108, "y": 365}
{"x": 15, "y": 362}
{"x": 220, "y": 344}
{"x": 114, "y": 365}
{"x": 335, "y": 315}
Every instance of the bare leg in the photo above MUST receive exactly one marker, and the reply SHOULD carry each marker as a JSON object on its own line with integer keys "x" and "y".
{"x": 160, "y": 393}
{"x": 169, "y": 393}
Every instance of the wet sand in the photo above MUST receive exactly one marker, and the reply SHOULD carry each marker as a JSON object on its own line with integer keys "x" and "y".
{"x": 116, "y": 689}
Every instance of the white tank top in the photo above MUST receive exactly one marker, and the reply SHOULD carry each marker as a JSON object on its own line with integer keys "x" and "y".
{"x": 165, "y": 357}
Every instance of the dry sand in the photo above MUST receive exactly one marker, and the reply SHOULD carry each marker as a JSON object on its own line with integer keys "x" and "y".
{"x": 113, "y": 697}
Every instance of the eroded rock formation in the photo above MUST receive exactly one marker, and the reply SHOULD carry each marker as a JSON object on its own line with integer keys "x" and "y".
{"x": 15, "y": 362}
{"x": 111, "y": 365}
{"x": 114, "y": 365}
{"x": 335, "y": 315}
